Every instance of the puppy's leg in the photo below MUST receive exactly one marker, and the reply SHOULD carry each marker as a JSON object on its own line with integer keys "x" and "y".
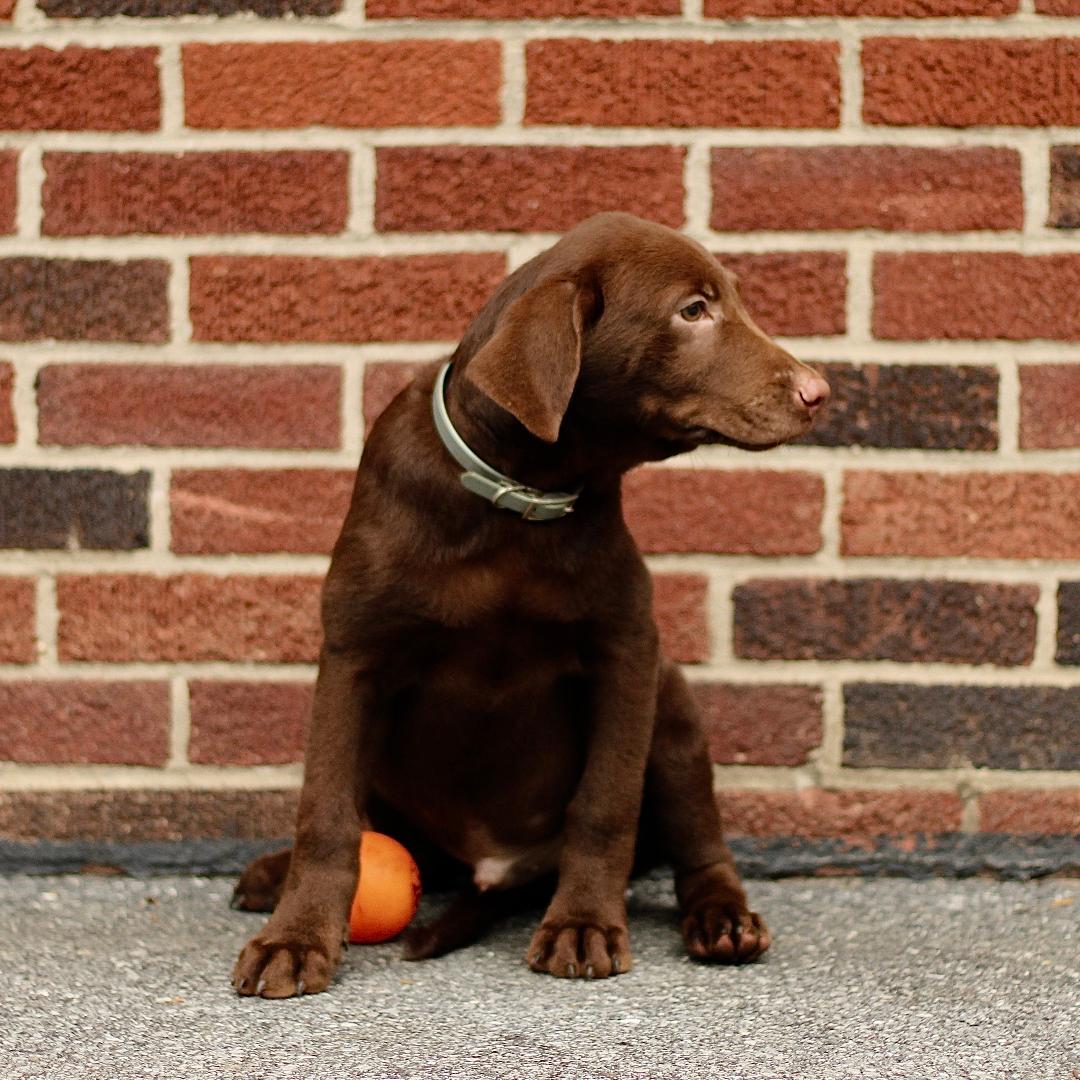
{"x": 260, "y": 885}
{"x": 717, "y": 923}
{"x": 583, "y": 933}
{"x": 299, "y": 948}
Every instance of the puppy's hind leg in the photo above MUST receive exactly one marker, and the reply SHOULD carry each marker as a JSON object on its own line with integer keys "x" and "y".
{"x": 260, "y": 885}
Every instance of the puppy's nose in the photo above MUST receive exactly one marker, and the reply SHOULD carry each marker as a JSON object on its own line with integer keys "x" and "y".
{"x": 811, "y": 389}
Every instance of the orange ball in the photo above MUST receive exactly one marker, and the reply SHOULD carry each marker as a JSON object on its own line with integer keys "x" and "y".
{"x": 388, "y": 892}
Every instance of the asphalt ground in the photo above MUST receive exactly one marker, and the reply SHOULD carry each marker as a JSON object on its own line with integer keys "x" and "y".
{"x": 117, "y": 977}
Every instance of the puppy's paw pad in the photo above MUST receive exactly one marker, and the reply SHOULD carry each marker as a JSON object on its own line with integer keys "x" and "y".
{"x": 580, "y": 950}
{"x": 724, "y": 933}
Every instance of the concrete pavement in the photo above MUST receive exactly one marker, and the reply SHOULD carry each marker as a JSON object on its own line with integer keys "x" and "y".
{"x": 117, "y": 977}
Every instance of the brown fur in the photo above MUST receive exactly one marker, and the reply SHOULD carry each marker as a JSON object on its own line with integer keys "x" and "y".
{"x": 496, "y": 685}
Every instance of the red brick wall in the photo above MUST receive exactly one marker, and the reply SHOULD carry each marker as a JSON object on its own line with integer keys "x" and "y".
{"x": 225, "y": 242}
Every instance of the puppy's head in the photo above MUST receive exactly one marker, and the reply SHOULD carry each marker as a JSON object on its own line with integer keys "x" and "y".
{"x": 635, "y": 328}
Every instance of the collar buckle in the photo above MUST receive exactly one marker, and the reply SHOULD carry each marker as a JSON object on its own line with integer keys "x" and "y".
{"x": 481, "y": 479}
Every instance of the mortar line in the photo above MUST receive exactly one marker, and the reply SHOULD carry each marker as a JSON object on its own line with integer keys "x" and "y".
{"x": 361, "y": 185}
{"x": 180, "y": 723}
{"x": 29, "y": 182}
{"x": 697, "y": 189}
{"x": 46, "y": 623}
{"x": 172, "y": 90}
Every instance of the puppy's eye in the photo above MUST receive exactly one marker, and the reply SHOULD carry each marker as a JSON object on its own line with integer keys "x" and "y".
{"x": 693, "y": 312}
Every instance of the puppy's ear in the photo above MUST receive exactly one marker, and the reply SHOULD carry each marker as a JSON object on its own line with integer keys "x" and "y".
{"x": 530, "y": 363}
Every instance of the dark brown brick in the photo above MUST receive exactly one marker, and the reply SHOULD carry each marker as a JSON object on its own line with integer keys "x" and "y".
{"x": 1064, "y": 187}
{"x": 126, "y": 816}
{"x": 18, "y": 635}
{"x": 899, "y": 725}
{"x": 248, "y": 723}
{"x": 296, "y": 84}
{"x": 160, "y": 9}
{"x": 1050, "y": 812}
{"x": 759, "y": 725}
{"x": 216, "y": 511}
{"x": 281, "y": 191}
{"x": 518, "y": 9}
{"x": 76, "y": 89}
{"x": 1068, "y": 635}
{"x": 978, "y": 294}
{"x": 304, "y": 298}
{"x": 89, "y": 723}
{"x": 793, "y": 293}
{"x": 92, "y": 509}
{"x": 8, "y": 427}
{"x": 83, "y": 299}
{"x": 125, "y": 617}
{"x": 886, "y": 619}
{"x": 776, "y": 84}
{"x": 921, "y": 406}
{"x": 1049, "y": 406}
{"x": 857, "y": 816}
{"x": 913, "y": 188}
{"x": 9, "y": 164}
{"x": 963, "y": 82}
{"x": 983, "y": 515}
{"x": 524, "y": 188}
{"x": 889, "y": 9}
{"x": 257, "y": 405}
{"x": 383, "y": 381}
{"x": 679, "y": 606}
{"x": 710, "y": 510}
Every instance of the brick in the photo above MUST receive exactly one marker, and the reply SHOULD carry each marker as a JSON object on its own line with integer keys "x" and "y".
{"x": 1057, "y": 7}
{"x": 83, "y": 299}
{"x": 383, "y": 381}
{"x": 980, "y": 294}
{"x": 888, "y": 9}
{"x": 917, "y": 189}
{"x": 342, "y": 84}
{"x": 1049, "y": 406}
{"x": 1047, "y": 813}
{"x": 759, "y": 725}
{"x": 951, "y": 622}
{"x": 1068, "y": 635}
{"x": 857, "y": 816}
{"x": 918, "y": 406}
{"x": 79, "y": 89}
{"x": 307, "y": 298}
{"x": 518, "y": 9}
{"x": 966, "y": 82}
{"x": 793, "y": 293}
{"x": 978, "y": 515}
{"x": 9, "y": 164}
{"x": 7, "y": 8}
{"x": 216, "y": 511}
{"x": 188, "y": 617}
{"x": 248, "y": 723}
{"x": 709, "y": 510}
{"x": 18, "y": 612}
{"x": 679, "y": 606}
{"x": 72, "y": 509}
{"x": 125, "y": 816}
{"x": 1064, "y": 187}
{"x": 159, "y": 9}
{"x": 524, "y": 188}
{"x": 254, "y": 406}
{"x": 897, "y": 725}
{"x": 86, "y": 723}
{"x": 8, "y": 427}
{"x": 776, "y": 84}
{"x": 282, "y": 191}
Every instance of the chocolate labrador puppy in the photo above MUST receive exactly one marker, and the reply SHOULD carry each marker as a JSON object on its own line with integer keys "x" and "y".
{"x": 491, "y": 674}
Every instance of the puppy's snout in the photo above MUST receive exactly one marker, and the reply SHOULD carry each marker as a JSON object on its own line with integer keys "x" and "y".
{"x": 810, "y": 389}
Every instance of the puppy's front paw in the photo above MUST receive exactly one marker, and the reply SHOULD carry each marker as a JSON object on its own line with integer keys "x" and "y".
{"x": 724, "y": 932}
{"x": 272, "y": 967}
{"x": 576, "y": 948}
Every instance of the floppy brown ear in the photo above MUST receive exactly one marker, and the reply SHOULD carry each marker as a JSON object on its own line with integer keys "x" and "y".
{"x": 531, "y": 362}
